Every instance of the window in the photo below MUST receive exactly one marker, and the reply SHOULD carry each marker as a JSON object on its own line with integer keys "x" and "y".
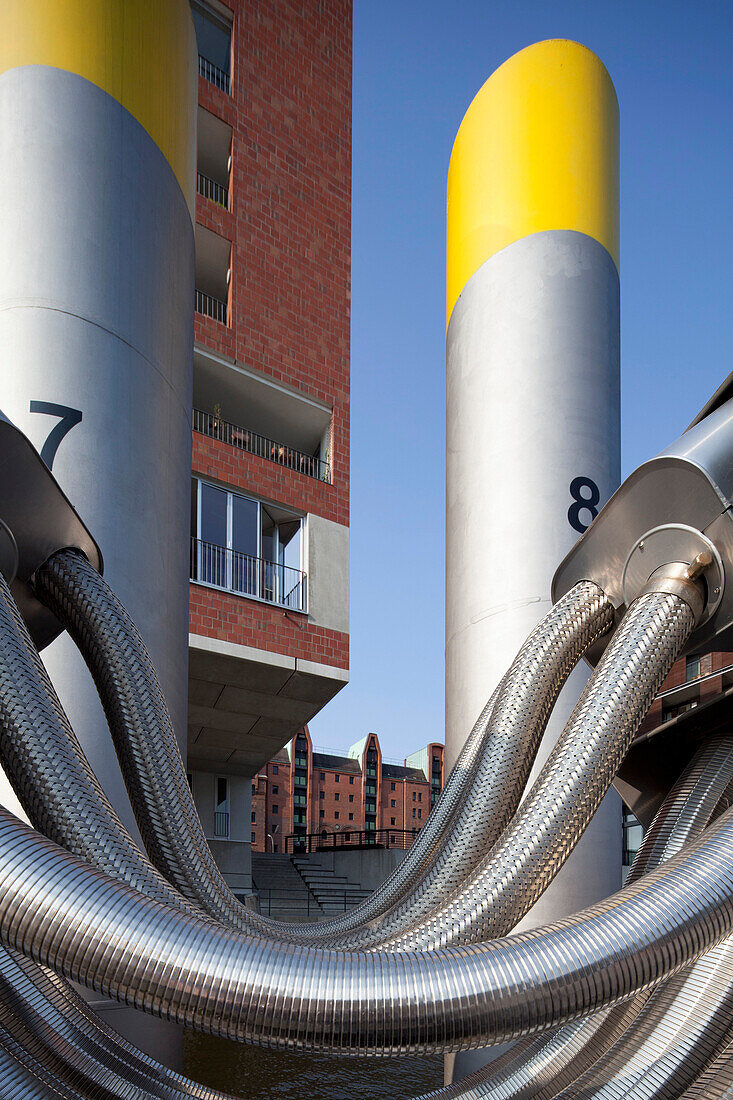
{"x": 321, "y": 813}
{"x": 419, "y": 813}
{"x": 370, "y": 807}
{"x": 276, "y": 809}
{"x": 336, "y": 777}
{"x": 252, "y": 837}
{"x": 392, "y": 803}
{"x": 221, "y": 807}
{"x": 336, "y": 796}
{"x": 322, "y": 795}
{"x": 392, "y": 821}
{"x": 351, "y": 780}
{"x": 674, "y": 712}
{"x": 371, "y": 788}
{"x": 301, "y": 759}
{"x": 419, "y": 797}
{"x": 214, "y": 40}
{"x": 351, "y": 817}
{"x": 275, "y": 769}
{"x": 414, "y": 812}
{"x": 414, "y": 796}
{"x": 336, "y": 815}
{"x": 254, "y": 817}
{"x": 300, "y": 800}
{"x": 351, "y": 798}
{"x": 247, "y": 547}
{"x": 275, "y": 788}
{"x": 253, "y": 789}
{"x": 393, "y": 786}
{"x": 323, "y": 775}
{"x": 692, "y": 668}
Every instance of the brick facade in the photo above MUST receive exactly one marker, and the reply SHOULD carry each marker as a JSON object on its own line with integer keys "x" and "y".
{"x": 333, "y": 794}
{"x": 288, "y": 228}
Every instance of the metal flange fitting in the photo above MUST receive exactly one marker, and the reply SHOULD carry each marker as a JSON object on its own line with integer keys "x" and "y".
{"x": 683, "y": 579}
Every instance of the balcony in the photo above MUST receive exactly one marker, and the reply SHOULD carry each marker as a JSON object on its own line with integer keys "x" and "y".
{"x": 212, "y": 190}
{"x": 260, "y": 445}
{"x": 210, "y": 306}
{"x": 257, "y": 578}
{"x": 216, "y": 76}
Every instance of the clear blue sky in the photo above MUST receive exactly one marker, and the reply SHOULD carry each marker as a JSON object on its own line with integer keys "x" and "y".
{"x": 417, "y": 65}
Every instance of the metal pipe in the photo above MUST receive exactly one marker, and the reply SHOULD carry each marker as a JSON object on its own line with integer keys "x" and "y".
{"x": 98, "y": 930}
{"x": 539, "y": 1067}
{"x": 478, "y": 800}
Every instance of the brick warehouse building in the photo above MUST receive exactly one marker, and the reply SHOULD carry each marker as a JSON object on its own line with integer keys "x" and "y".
{"x": 309, "y": 792}
{"x": 268, "y": 642}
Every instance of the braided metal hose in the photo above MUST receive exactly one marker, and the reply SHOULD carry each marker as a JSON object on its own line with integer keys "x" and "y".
{"x": 49, "y": 773}
{"x": 479, "y": 798}
{"x": 48, "y": 1026}
{"x": 97, "y": 930}
{"x": 568, "y": 790}
{"x": 540, "y": 1067}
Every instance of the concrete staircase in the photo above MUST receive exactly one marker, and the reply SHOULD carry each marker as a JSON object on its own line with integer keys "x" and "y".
{"x": 334, "y": 893}
{"x": 283, "y": 893}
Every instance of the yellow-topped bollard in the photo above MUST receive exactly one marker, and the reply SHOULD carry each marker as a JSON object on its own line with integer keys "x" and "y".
{"x": 532, "y": 386}
{"x": 537, "y": 150}
{"x": 98, "y": 103}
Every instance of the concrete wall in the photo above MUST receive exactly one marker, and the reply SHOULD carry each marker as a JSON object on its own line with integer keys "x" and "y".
{"x": 327, "y": 566}
{"x": 233, "y": 854}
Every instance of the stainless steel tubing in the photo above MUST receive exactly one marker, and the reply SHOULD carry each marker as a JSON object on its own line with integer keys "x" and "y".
{"x": 716, "y": 1082}
{"x": 568, "y": 790}
{"x": 97, "y": 930}
{"x": 479, "y": 797}
{"x": 41, "y": 1015}
{"x": 21, "y": 1082}
{"x": 100, "y": 931}
{"x": 539, "y": 1068}
{"x": 49, "y": 772}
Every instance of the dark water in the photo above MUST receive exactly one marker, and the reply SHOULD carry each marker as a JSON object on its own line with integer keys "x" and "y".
{"x": 258, "y": 1074}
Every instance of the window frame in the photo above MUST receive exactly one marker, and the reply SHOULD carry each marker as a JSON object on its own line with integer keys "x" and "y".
{"x": 276, "y": 562}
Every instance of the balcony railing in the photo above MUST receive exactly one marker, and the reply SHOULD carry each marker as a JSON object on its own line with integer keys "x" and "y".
{"x": 211, "y": 307}
{"x": 211, "y": 72}
{"x": 350, "y": 838}
{"x": 247, "y": 576}
{"x": 260, "y": 445}
{"x": 210, "y": 189}
{"x": 221, "y": 823}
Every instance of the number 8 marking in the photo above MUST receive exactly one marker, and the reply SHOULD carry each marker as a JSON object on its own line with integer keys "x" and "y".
{"x": 583, "y": 502}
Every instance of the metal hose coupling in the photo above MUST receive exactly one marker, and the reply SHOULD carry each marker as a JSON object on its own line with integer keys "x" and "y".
{"x": 683, "y": 579}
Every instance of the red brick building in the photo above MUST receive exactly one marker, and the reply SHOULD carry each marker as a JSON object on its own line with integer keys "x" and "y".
{"x": 269, "y": 642}
{"x": 305, "y": 791}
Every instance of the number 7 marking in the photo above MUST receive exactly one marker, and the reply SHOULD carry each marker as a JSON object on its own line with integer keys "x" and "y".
{"x": 69, "y": 418}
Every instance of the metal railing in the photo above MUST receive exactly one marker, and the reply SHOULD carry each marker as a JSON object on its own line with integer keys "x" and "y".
{"x": 210, "y": 189}
{"x": 221, "y": 823}
{"x": 247, "y": 576}
{"x": 350, "y": 838}
{"x": 260, "y": 445}
{"x": 211, "y": 307}
{"x": 216, "y": 76}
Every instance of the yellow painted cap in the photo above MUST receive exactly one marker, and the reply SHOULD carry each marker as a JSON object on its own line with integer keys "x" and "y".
{"x": 141, "y": 52}
{"x": 537, "y": 149}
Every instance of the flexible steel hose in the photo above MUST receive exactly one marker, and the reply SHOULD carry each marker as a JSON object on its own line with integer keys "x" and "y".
{"x": 539, "y": 1068}
{"x": 98, "y": 930}
{"x": 568, "y": 790}
{"x": 49, "y": 773}
{"x": 41, "y": 1015}
{"x": 478, "y": 800}
{"x": 716, "y": 1082}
